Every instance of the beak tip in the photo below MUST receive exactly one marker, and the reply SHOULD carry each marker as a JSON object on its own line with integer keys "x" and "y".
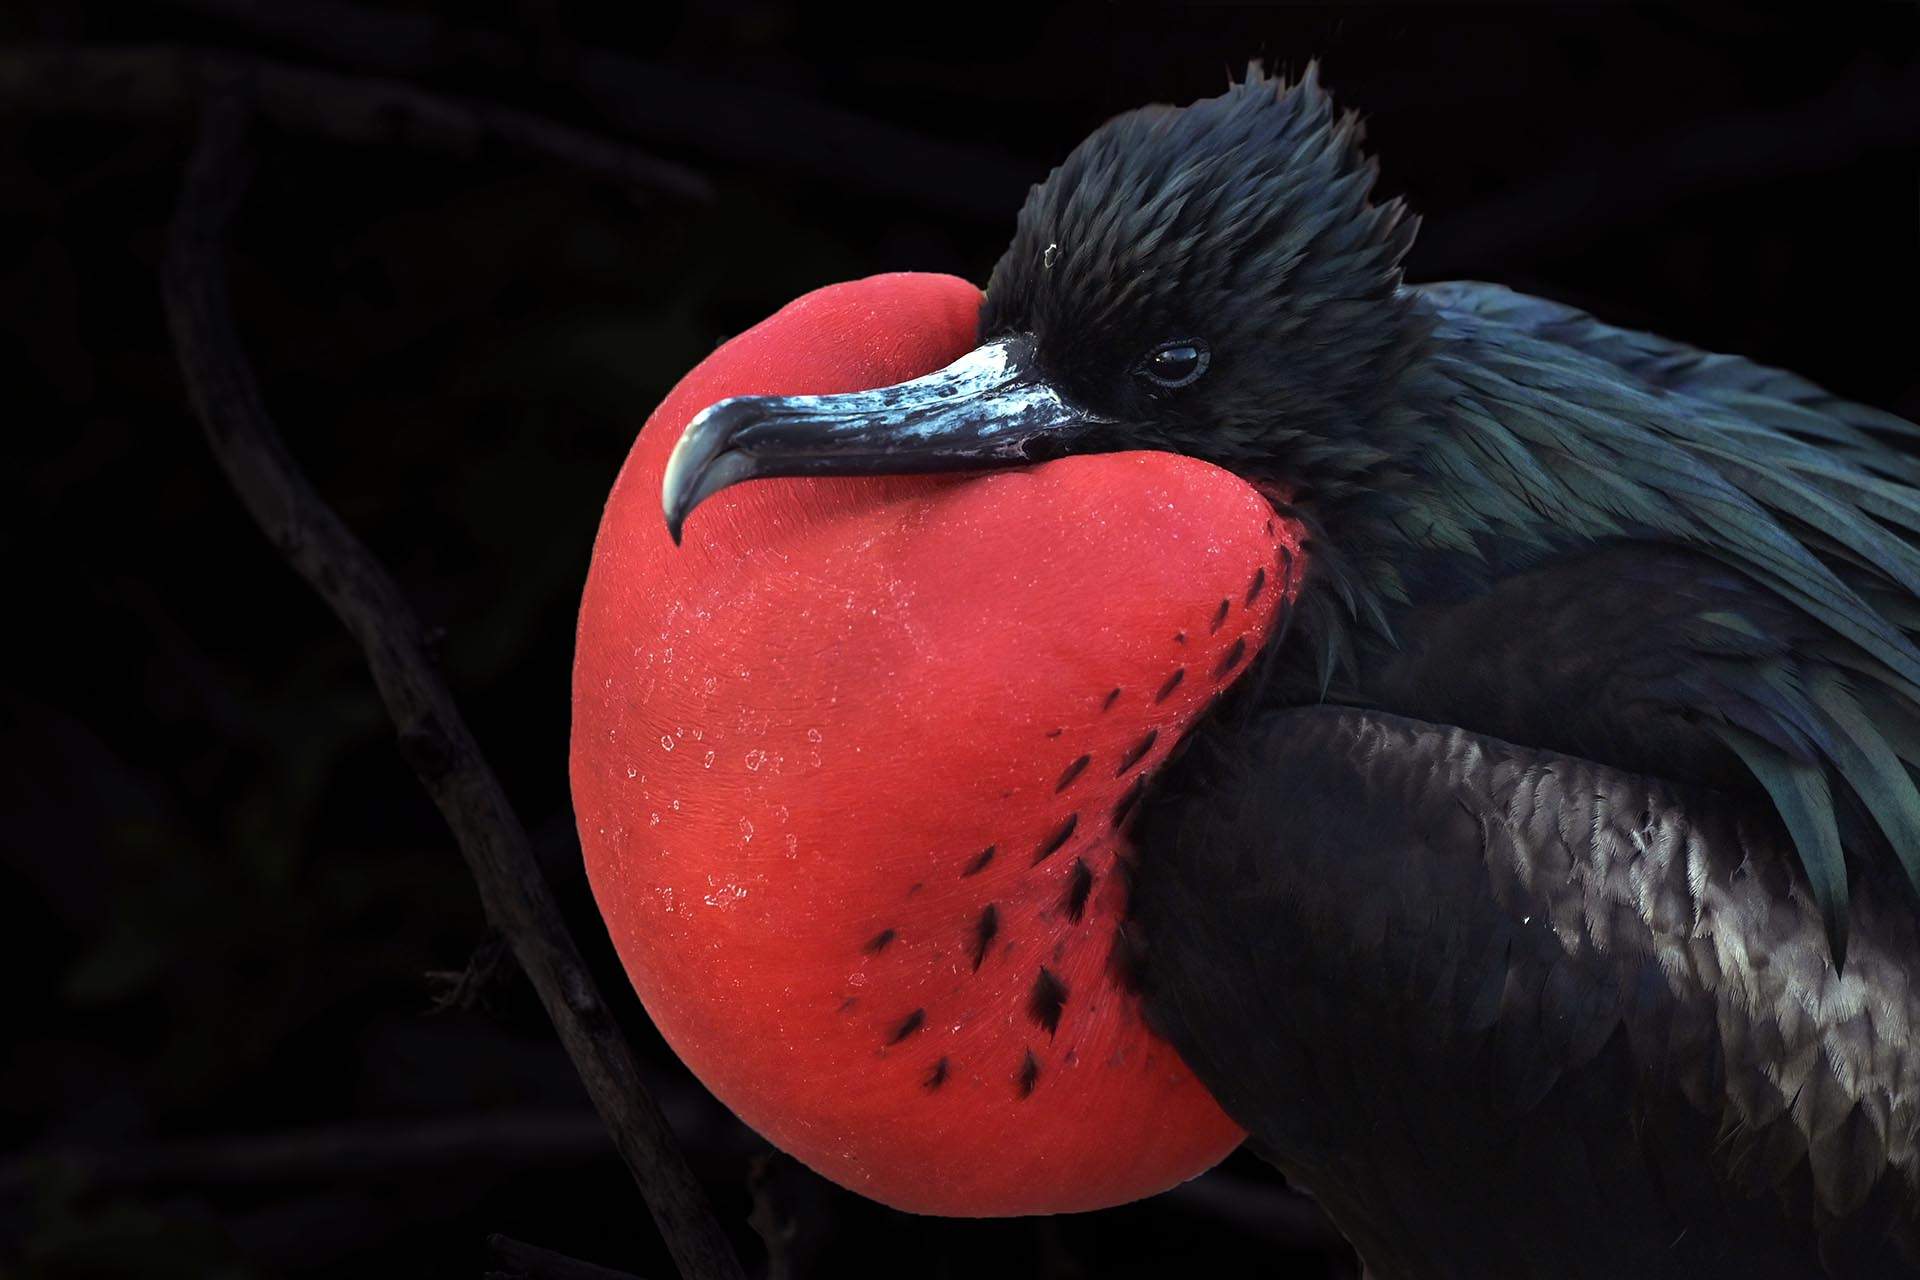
{"x": 675, "y": 487}
{"x": 674, "y": 510}
{"x": 982, "y": 410}
{"x": 699, "y": 465}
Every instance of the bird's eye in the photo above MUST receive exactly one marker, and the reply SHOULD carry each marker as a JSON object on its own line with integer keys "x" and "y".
{"x": 1175, "y": 364}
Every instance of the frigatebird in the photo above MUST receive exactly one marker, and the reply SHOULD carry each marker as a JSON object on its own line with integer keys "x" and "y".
{"x": 1209, "y": 687}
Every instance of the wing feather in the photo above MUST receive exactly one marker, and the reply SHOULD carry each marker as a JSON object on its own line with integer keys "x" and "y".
{"x": 1593, "y": 434}
{"x": 1612, "y": 992}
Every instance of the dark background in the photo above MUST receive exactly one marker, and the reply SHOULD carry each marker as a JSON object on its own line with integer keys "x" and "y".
{"x": 223, "y": 898}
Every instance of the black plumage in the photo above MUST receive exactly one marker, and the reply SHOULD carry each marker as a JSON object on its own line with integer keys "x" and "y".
{"x": 1544, "y": 898}
{"x": 1545, "y": 904}
{"x": 1507, "y": 1012}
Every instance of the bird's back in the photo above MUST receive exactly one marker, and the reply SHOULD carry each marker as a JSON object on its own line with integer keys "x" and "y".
{"x": 1522, "y": 959}
{"x": 1512, "y": 1013}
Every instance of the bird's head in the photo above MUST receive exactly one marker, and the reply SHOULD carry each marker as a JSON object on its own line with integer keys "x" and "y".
{"x": 1213, "y": 279}
{"x": 853, "y": 768}
{"x": 1210, "y": 280}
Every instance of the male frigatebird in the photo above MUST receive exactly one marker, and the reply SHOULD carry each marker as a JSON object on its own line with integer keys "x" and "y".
{"x": 1464, "y": 746}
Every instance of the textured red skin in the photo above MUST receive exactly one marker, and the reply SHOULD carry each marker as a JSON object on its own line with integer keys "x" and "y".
{"x": 799, "y": 730}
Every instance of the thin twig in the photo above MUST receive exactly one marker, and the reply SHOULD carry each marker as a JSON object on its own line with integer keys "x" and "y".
{"x": 546, "y": 1136}
{"x": 432, "y": 735}
{"x": 756, "y": 126}
{"x": 145, "y": 81}
{"x": 518, "y": 1260}
{"x": 792, "y": 1214}
{"x": 467, "y": 988}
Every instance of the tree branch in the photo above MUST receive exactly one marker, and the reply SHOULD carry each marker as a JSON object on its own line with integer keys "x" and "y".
{"x": 518, "y": 1260}
{"x": 432, "y": 735}
{"x": 755, "y": 126}
{"x": 140, "y": 82}
{"x": 545, "y": 1136}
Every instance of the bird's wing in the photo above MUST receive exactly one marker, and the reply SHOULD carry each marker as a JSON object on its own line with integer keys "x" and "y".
{"x": 1569, "y": 429}
{"x": 1516, "y": 1007}
{"x": 1732, "y": 384}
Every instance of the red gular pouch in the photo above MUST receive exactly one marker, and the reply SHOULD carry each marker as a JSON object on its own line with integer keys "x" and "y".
{"x": 851, "y": 769}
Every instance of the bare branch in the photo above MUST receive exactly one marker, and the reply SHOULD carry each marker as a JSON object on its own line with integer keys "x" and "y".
{"x": 469, "y": 987}
{"x": 526, "y": 1137}
{"x": 142, "y": 82}
{"x": 752, "y": 125}
{"x": 792, "y": 1214}
{"x": 432, "y": 735}
{"x": 518, "y": 1260}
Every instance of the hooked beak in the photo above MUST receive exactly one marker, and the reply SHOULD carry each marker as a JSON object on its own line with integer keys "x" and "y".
{"x": 989, "y": 408}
